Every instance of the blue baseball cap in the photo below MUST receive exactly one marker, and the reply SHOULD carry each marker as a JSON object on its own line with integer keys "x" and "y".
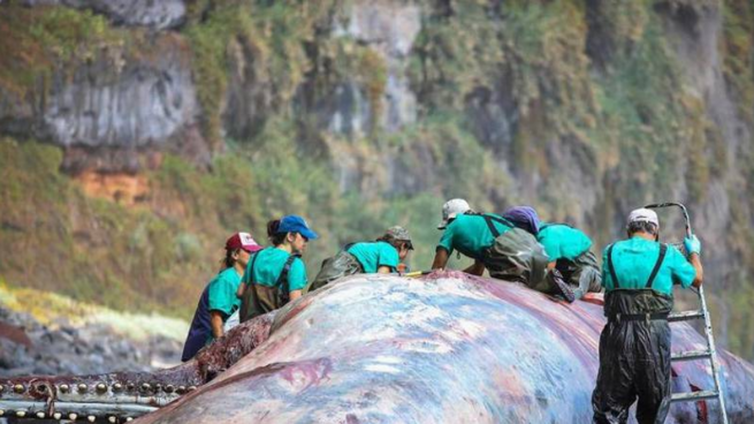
{"x": 296, "y": 224}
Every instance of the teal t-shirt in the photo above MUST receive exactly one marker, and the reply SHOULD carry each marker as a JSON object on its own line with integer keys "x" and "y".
{"x": 634, "y": 259}
{"x": 563, "y": 241}
{"x": 268, "y": 266}
{"x": 372, "y": 255}
{"x": 470, "y": 235}
{"x": 222, "y": 292}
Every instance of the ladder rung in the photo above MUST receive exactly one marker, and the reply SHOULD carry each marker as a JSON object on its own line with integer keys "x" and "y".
{"x": 690, "y": 396}
{"x": 691, "y": 355}
{"x": 686, "y": 316}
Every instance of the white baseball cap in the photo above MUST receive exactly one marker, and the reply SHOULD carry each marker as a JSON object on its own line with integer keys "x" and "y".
{"x": 451, "y": 209}
{"x": 643, "y": 214}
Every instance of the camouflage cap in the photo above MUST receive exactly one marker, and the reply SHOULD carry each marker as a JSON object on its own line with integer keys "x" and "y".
{"x": 399, "y": 233}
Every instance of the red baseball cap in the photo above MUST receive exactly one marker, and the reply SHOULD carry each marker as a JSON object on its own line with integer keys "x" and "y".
{"x": 242, "y": 241}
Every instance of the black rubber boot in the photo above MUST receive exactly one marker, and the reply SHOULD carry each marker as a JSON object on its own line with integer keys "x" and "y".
{"x": 560, "y": 288}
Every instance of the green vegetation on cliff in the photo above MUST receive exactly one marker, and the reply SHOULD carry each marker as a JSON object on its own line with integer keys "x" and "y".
{"x": 737, "y": 52}
{"x": 36, "y": 41}
{"x": 88, "y": 248}
{"x": 158, "y": 254}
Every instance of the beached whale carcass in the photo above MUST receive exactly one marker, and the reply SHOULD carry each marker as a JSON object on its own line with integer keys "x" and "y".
{"x": 445, "y": 348}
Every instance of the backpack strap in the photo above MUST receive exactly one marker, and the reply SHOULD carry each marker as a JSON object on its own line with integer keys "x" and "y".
{"x": 489, "y": 219}
{"x": 611, "y": 267}
{"x": 658, "y": 264}
{"x": 501, "y": 220}
{"x": 281, "y": 283}
{"x": 250, "y": 306}
{"x": 250, "y": 281}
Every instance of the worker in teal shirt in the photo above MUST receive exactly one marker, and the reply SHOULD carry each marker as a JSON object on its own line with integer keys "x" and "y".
{"x": 218, "y": 300}
{"x": 638, "y": 275}
{"x": 568, "y": 249}
{"x": 495, "y": 244}
{"x": 380, "y": 256}
{"x": 276, "y": 274}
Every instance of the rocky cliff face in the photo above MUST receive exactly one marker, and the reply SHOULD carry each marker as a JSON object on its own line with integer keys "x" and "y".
{"x": 389, "y": 29}
{"x": 695, "y": 35}
{"x": 112, "y": 105}
{"x": 160, "y": 15}
{"x": 583, "y": 109}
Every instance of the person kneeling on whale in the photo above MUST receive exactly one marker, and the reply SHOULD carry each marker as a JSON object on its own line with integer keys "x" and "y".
{"x": 507, "y": 252}
{"x": 568, "y": 249}
{"x": 380, "y": 256}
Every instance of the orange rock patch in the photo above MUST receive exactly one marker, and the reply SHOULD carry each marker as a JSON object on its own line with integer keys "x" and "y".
{"x": 125, "y": 189}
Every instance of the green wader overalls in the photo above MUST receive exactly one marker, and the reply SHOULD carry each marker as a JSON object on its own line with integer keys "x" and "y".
{"x": 258, "y": 299}
{"x": 516, "y": 256}
{"x": 634, "y": 352}
{"x": 338, "y": 266}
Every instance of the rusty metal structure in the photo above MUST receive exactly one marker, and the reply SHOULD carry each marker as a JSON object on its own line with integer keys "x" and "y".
{"x": 447, "y": 347}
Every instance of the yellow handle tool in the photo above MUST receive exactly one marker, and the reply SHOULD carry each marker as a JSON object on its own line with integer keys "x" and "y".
{"x": 415, "y": 274}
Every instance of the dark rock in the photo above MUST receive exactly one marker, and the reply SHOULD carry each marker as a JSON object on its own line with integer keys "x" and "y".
{"x": 156, "y": 14}
{"x": 112, "y": 112}
{"x": 95, "y": 348}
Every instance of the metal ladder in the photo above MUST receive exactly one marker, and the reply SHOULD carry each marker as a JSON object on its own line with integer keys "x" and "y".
{"x": 710, "y": 354}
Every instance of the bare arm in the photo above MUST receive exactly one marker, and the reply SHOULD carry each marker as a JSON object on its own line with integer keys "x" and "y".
{"x": 441, "y": 259}
{"x": 696, "y": 262}
{"x": 296, "y": 294}
{"x": 216, "y": 322}
{"x": 384, "y": 270}
{"x": 551, "y": 265}
{"x": 476, "y": 269}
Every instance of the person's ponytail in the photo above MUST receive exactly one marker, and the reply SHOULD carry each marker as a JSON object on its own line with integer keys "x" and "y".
{"x": 228, "y": 261}
{"x": 272, "y": 233}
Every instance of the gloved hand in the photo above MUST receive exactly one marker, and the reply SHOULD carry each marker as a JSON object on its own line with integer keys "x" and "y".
{"x": 692, "y": 244}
